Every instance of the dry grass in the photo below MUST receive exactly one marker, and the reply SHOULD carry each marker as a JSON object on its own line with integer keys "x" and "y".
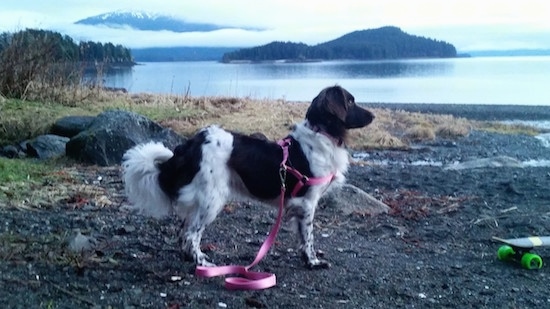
{"x": 420, "y": 132}
{"x": 507, "y": 128}
{"x": 394, "y": 129}
{"x": 244, "y": 115}
{"x": 20, "y": 120}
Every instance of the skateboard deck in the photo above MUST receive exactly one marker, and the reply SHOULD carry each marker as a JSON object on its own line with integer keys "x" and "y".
{"x": 518, "y": 250}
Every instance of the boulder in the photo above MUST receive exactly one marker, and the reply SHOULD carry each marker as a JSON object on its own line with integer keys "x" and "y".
{"x": 113, "y": 132}
{"x": 350, "y": 199}
{"x": 47, "y": 146}
{"x": 71, "y": 125}
{"x": 11, "y": 151}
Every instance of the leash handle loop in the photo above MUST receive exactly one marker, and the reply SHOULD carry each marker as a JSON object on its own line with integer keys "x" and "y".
{"x": 249, "y": 280}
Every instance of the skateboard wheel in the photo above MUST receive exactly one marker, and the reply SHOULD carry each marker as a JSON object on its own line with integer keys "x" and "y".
{"x": 505, "y": 253}
{"x": 531, "y": 261}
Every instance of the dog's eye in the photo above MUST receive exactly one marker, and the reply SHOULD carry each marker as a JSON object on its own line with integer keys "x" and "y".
{"x": 350, "y": 102}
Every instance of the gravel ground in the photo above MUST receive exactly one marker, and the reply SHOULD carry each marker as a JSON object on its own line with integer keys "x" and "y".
{"x": 434, "y": 250}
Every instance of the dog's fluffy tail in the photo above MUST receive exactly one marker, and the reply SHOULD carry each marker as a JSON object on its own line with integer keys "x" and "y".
{"x": 140, "y": 177}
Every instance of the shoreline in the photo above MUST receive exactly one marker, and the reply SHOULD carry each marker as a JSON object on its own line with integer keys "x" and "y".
{"x": 483, "y": 112}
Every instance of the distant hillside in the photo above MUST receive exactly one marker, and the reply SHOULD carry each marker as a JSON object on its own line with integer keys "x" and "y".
{"x": 161, "y": 54}
{"x": 153, "y": 22}
{"x": 381, "y": 43}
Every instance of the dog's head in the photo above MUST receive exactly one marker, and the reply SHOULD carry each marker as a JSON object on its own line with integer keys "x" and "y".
{"x": 334, "y": 111}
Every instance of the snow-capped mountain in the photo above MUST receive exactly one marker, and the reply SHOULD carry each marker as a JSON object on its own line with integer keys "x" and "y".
{"x": 140, "y": 20}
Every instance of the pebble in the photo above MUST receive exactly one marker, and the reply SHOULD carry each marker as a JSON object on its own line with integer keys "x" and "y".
{"x": 81, "y": 243}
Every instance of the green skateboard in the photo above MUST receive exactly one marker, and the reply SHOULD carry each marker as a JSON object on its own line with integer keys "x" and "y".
{"x": 518, "y": 250}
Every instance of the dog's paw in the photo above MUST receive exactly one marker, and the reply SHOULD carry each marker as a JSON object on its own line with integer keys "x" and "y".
{"x": 203, "y": 260}
{"x": 200, "y": 259}
{"x": 318, "y": 264}
{"x": 206, "y": 263}
{"x": 315, "y": 263}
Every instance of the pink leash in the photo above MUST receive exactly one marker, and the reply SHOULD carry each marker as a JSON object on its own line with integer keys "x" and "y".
{"x": 251, "y": 280}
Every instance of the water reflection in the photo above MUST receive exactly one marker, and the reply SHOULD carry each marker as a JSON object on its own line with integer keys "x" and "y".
{"x": 391, "y": 69}
{"x": 352, "y": 69}
{"x": 460, "y": 80}
{"x": 113, "y": 77}
{"x": 159, "y": 74}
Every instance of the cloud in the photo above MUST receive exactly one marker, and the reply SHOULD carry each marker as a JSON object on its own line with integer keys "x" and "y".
{"x": 138, "y": 39}
{"x": 465, "y": 23}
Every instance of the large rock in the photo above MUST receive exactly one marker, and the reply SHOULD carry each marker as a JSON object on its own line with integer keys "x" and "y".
{"x": 71, "y": 125}
{"x": 12, "y": 151}
{"x": 350, "y": 199}
{"x": 47, "y": 146}
{"x": 112, "y": 133}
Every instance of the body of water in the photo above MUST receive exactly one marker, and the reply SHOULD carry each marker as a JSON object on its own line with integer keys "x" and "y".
{"x": 482, "y": 80}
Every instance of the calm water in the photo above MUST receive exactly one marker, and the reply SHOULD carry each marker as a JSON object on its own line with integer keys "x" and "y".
{"x": 498, "y": 80}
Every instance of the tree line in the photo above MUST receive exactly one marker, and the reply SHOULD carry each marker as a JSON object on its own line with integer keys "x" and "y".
{"x": 62, "y": 48}
{"x": 43, "y": 61}
{"x": 374, "y": 44}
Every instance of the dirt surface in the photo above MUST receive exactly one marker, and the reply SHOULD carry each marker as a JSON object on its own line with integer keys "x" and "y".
{"x": 434, "y": 250}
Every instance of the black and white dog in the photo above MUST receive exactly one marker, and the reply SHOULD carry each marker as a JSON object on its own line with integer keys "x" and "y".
{"x": 215, "y": 166}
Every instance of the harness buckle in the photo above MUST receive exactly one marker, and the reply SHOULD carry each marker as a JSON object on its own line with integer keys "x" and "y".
{"x": 282, "y": 176}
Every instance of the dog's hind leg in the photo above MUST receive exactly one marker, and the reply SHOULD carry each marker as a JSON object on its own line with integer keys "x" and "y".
{"x": 190, "y": 236}
{"x": 195, "y": 220}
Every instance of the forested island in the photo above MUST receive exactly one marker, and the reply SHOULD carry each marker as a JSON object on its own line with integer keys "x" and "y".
{"x": 373, "y": 44}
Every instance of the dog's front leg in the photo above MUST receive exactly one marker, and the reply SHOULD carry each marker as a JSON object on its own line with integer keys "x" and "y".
{"x": 304, "y": 219}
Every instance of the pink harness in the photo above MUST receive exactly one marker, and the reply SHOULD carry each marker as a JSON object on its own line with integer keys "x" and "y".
{"x": 251, "y": 280}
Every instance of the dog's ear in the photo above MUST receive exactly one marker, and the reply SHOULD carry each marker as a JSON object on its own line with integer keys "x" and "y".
{"x": 334, "y": 101}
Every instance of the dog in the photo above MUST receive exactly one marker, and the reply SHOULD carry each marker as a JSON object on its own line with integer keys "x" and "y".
{"x": 215, "y": 166}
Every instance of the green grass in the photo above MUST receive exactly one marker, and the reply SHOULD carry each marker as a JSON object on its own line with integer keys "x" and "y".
{"x": 21, "y": 120}
{"x": 15, "y": 170}
{"x": 19, "y": 178}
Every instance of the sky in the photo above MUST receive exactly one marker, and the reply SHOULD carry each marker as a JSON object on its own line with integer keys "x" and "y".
{"x": 467, "y": 24}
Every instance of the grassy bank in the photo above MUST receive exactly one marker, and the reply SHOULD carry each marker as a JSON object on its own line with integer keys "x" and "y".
{"x": 26, "y": 182}
{"x": 20, "y": 120}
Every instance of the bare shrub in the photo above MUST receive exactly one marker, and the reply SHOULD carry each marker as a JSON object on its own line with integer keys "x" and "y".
{"x": 42, "y": 65}
{"x": 452, "y": 130}
{"x": 374, "y": 138}
{"x": 34, "y": 61}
